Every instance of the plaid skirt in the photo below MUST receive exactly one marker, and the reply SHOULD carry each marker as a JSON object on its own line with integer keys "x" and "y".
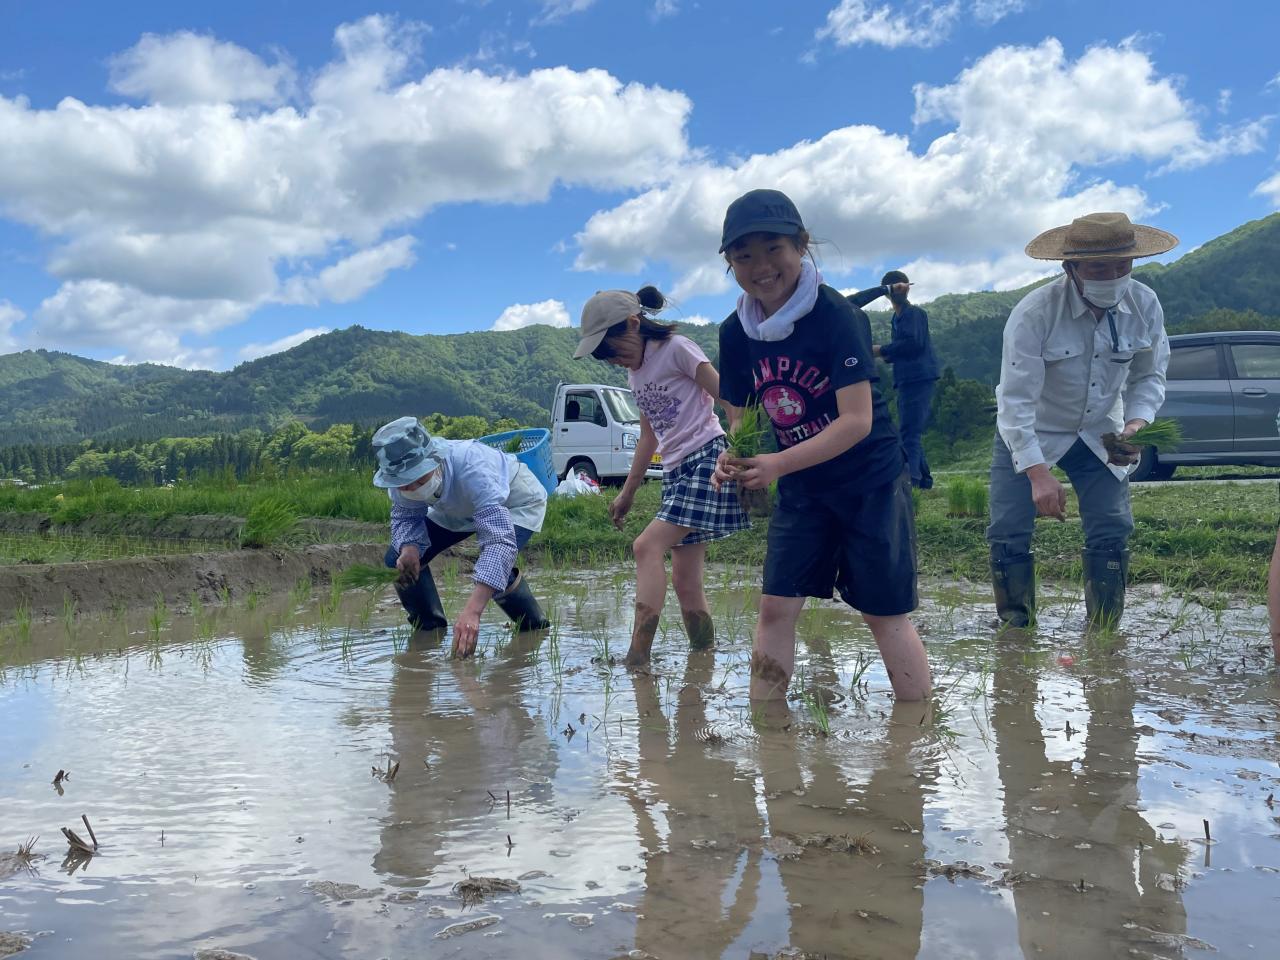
{"x": 689, "y": 499}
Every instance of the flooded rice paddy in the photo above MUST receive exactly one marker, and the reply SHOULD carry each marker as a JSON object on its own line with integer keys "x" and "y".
{"x": 306, "y": 779}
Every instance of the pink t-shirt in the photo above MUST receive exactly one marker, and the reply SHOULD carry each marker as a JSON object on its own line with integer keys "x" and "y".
{"x": 679, "y": 410}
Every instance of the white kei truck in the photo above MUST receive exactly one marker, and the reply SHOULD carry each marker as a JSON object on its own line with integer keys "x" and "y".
{"x": 594, "y": 430}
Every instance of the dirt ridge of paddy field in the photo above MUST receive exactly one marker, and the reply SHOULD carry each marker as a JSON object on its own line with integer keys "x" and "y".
{"x": 212, "y": 527}
{"x": 46, "y": 590}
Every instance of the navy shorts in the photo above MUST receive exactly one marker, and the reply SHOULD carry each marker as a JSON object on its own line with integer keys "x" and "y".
{"x": 861, "y": 543}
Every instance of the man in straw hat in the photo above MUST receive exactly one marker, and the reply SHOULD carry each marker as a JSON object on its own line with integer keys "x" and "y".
{"x": 1084, "y": 355}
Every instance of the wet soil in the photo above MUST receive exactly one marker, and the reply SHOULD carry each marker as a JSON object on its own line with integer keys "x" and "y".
{"x": 1049, "y": 802}
{"x": 46, "y": 589}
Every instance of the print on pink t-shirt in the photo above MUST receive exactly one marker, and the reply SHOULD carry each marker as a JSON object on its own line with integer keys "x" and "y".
{"x": 680, "y": 412}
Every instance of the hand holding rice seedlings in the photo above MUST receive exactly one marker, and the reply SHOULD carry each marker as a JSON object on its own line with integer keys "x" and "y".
{"x": 745, "y": 440}
{"x": 1164, "y": 434}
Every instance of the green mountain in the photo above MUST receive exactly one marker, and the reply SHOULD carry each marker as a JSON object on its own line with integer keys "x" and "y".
{"x": 368, "y": 375}
{"x": 351, "y": 375}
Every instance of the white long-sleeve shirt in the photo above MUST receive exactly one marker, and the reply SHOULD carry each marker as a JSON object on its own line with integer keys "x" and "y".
{"x": 485, "y": 490}
{"x": 1063, "y": 376}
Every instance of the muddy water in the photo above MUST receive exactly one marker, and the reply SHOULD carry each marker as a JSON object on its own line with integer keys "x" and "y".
{"x": 1050, "y": 803}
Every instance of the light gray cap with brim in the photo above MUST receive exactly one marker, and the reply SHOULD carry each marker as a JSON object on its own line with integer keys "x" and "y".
{"x": 606, "y": 309}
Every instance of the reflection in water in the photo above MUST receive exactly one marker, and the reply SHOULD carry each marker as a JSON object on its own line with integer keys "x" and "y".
{"x": 693, "y": 810}
{"x": 846, "y": 904}
{"x": 475, "y": 734}
{"x": 222, "y": 775}
{"x": 1071, "y": 822}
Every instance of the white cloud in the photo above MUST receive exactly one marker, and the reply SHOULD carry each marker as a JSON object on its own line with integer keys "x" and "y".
{"x": 695, "y": 319}
{"x": 190, "y": 206}
{"x": 10, "y": 316}
{"x": 550, "y": 312}
{"x": 993, "y": 11}
{"x": 252, "y": 351}
{"x": 555, "y": 10}
{"x": 1270, "y": 188}
{"x": 354, "y": 276}
{"x": 917, "y": 23}
{"x": 921, "y": 24}
{"x": 931, "y": 279}
{"x": 186, "y": 68}
{"x": 1024, "y": 128}
{"x": 1224, "y": 101}
{"x": 102, "y": 314}
{"x": 664, "y": 8}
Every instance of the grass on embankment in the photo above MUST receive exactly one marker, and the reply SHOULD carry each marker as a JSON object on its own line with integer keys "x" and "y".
{"x": 1193, "y": 536}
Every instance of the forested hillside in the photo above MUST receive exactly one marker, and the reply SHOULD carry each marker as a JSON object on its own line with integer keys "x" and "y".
{"x": 358, "y": 375}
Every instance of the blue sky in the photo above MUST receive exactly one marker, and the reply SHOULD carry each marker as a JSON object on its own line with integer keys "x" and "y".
{"x": 199, "y": 184}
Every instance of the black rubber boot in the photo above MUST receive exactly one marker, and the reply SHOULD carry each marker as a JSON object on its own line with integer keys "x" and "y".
{"x": 1014, "y": 580}
{"x": 421, "y": 601}
{"x": 520, "y": 606}
{"x": 1105, "y": 575}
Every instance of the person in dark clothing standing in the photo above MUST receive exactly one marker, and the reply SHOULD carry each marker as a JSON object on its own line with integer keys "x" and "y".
{"x": 915, "y": 368}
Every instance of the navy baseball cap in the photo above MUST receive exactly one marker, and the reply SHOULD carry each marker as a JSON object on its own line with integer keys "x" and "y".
{"x": 760, "y": 211}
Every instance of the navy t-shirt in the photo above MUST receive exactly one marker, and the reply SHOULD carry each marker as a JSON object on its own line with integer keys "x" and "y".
{"x": 795, "y": 382}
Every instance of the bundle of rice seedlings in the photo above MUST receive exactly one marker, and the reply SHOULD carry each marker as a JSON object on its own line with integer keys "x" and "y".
{"x": 514, "y": 444}
{"x": 269, "y": 520}
{"x": 1163, "y": 434}
{"x": 365, "y": 576}
{"x": 744, "y": 441}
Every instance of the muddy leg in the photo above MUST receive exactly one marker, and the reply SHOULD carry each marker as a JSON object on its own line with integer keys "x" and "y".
{"x": 643, "y": 631}
{"x": 650, "y": 549}
{"x": 773, "y": 657}
{"x": 686, "y": 574}
{"x": 903, "y": 655}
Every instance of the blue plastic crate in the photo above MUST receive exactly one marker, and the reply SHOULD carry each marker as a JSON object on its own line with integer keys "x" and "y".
{"x": 535, "y": 452}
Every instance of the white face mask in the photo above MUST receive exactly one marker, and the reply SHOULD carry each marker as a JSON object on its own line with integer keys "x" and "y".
{"x": 1105, "y": 293}
{"x": 429, "y": 492}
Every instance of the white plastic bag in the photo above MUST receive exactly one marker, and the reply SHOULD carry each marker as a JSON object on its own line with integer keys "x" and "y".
{"x": 575, "y": 484}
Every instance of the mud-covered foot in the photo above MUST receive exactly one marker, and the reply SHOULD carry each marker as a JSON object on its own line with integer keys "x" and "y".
{"x": 637, "y": 656}
{"x": 700, "y": 628}
{"x": 642, "y": 634}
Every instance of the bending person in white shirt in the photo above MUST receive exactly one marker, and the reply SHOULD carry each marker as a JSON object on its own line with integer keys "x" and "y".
{"x": 1083, "y": 355}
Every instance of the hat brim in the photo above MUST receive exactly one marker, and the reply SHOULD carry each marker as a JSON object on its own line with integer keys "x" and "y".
{"x": 784, "y": 227}
{"x": 1147, "y": 242}
{"x": 588, "y": 344}
{"x": 389, "y": 479}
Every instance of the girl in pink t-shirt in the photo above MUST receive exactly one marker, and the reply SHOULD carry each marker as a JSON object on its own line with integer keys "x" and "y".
{"x": 675, "y": 387}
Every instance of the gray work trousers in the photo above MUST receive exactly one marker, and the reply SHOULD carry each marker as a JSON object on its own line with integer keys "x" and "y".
{"x": 1104, "y": 502}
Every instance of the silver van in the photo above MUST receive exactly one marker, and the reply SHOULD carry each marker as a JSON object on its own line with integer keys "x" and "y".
{"x": 1224, "y": 390}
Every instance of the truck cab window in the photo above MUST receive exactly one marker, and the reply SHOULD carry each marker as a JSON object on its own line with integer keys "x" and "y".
{"x": 584, "y": 408}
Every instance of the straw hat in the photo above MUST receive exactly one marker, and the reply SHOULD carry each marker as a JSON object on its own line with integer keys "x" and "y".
{"x": 1100, "y": 236}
